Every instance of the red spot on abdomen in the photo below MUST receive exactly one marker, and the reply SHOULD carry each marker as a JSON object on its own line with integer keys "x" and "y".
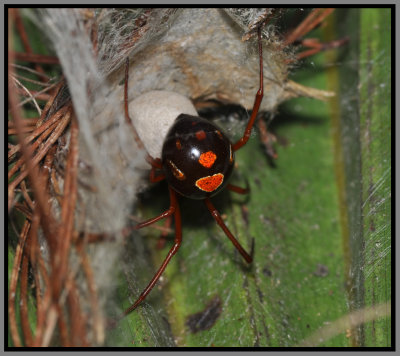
{"x": 207, "y": 159}
{"x": 200, "y": 135}
{"x": 210, "y": 183}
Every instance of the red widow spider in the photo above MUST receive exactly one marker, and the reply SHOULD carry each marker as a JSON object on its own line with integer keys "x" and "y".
{"x": 197, "y": 160}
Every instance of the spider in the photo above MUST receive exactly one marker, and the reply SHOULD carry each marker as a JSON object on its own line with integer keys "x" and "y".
{"x": 197, "y": 160}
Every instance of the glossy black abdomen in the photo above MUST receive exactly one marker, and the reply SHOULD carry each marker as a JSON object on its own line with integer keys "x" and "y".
{"x": 197, "y": 157}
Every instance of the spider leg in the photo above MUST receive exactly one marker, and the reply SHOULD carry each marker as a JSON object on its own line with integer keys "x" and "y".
{"x": 155, "y": 164}
{"x": 237, "y": 189}
{"x": 316, "y": 46}
{"x": 220, "y": 222}
{"x": 162, "y": 240}
{"x": 257, "y": 101}
{"x": 151, "y": 221}
{"x": 178, "y": 239}
{"x": 154, "y": 178}
{"x": 313, "y": 19}
{"x": 126, "y": 231}
{"x": 267, "y": 138}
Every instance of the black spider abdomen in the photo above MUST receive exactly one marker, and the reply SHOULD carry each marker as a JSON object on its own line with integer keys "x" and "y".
{"x": 197, "y": 157}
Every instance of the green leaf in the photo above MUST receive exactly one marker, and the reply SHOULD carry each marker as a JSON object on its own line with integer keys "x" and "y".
{"x": 375, "y": 131}
{"x": 362, "y": 141}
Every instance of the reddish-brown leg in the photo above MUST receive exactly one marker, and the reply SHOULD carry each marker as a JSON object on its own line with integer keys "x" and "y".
{"x": 155, "y": 164}
{"x": 257, "y": 102}
{"x": 126, "y": 231}
{"x": 316, "y": 46}
{"x": 267, "y": 139}
{"x": 237, "y": 189}
{"x": 174, "y": 207}
{"x": 162, "y": 240}
{"x": 151, "y": 221}
{"x": 313, "y": 19}
{"x": 220, "y": 222}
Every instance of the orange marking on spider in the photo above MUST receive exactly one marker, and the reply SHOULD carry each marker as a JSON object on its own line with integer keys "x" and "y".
{"x": 200, "y": 135}
{"x": 176, "y": 171}
{"x": 230, "y": 155}
{"x": 210, "y": 183}
{"x": 207, "y": 159}
{"x": 219, "y": 134}
{"x": 178, "y": 144}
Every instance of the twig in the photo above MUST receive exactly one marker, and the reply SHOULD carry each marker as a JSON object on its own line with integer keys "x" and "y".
{"x": 41, "y": 95}
{"x": 35, "y": 145}
{"x": 13, "y": 285}
{"x": 40, "y": 270}
{"x": 24, "y": 210}
{"x": 29, "y": 121}
{"x": 77, "y": 319}
{"x": 29, "y": 94}
{"x": 26, "y": 129}
{"x": 34, "y": 255}
{"x": 26, "y": 196}
{"x": 24, "y": 296}
{"x": 43, "y": 127}
{"x": 97, "y": 318}
{"x": 35, "y": 58}
{"x": 61, "y": 254}
{"x": 349, "y": 321}
{"x": 48, "y": 222}
{"x": 67, "y": 209}
{"x": 32, "y": 162}
{"x": 51, "y": 320}
{"x": 62, "y": 324}
{"x": 49, "y": 104}
{"x": 25, "y": 40}
{"x": 31, "y": 71}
